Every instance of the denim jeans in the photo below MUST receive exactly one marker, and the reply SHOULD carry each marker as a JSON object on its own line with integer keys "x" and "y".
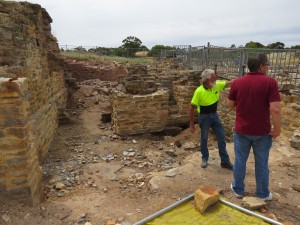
{"x": 261, "y": 146}
{"x": 207, "y": 121}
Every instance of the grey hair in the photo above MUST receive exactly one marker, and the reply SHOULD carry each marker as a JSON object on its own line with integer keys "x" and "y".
{"x": 206, "y": 74}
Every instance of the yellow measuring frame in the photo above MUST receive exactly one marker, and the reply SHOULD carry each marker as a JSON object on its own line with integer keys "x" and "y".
{"x": 220, "y": 213}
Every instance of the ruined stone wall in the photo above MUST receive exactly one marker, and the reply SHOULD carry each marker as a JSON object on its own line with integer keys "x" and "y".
{"x": 139, "y": 104}
{"x": 227, "y": 116}
{"x": 149, "y": 101}
{"x": 85, "y": 70}
{"x": 183, "y": 92}
{"x": 181, "y": 85}
{"x": 290, "y": 108}
{"x": 137, "y": 114}
{"x": 29, "y": 105}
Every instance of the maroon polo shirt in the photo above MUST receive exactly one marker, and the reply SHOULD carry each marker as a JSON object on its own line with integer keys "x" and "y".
{"x": 252, "y": 94}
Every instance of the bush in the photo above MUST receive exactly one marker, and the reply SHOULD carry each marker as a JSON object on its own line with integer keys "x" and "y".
{"x": 155, "y": 50}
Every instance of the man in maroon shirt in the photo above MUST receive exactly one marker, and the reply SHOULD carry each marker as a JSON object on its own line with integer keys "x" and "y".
{"x": 255, "y": 96}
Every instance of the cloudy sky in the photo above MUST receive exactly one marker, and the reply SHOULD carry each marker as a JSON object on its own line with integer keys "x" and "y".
{"x": 106, "y": 23}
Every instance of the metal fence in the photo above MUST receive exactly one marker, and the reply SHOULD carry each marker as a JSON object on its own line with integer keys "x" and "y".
{"x": 230, "y": 63}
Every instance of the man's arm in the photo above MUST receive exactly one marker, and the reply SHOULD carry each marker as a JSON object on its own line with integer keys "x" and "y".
{"x": 230, "y": 104}
{"x": 192, "y": 114}
{"x": 229, "y": 83}
{"x": 275, "y": 111}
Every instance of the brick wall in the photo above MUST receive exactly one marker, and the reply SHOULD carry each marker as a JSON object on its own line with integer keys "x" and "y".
{"x": 29, "y": 104}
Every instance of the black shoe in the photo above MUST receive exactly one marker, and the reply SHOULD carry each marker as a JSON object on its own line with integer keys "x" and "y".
{"x": 204, "y": 163}
{"x": 227, "y": 165}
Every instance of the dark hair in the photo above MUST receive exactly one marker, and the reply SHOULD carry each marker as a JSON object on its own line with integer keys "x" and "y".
{"x": 255, "y": 61}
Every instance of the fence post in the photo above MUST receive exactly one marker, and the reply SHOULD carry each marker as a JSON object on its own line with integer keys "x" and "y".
{"x": 208, "y": 50}
{"x": 242, "y": 66}
{"x": 216, "y": 67}
{"x": 189, "y": 52}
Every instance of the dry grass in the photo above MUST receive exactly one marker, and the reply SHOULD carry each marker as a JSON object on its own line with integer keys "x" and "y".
{"x": 94, "y": 57}
{"x": 141, "y": 54}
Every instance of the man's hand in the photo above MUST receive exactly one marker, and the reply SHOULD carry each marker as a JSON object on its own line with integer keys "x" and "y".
{"x": 230, "y": 104}
{"x": 229, "y": 83}
{"x": 191, "y": 115}
{"x": 192, "y": 127}
{"x": 274, "y": 133}
{"x": 275, "y": 111}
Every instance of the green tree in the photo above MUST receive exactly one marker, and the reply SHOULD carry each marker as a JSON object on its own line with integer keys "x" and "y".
{"x": 295, "y": 47}
{"x": 119, "y": 52}
{"x": 101, "y": 50}
{"x": 144, "y": 48}
{"x": 131, "y": 45}
{"x": 155, "y": 50}
{"x": 276, "y": 45}
{"x": 233, "y": 46}
{"x": 253, "y": 44}
{"x": 80, "y": 49}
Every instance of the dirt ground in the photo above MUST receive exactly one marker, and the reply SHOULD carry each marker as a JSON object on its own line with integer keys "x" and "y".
{"x": 92, "y": 176}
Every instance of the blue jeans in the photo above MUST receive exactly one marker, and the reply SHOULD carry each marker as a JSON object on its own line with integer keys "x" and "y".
{"x": 207, "y": 121}
{"x": 261, "y": 146}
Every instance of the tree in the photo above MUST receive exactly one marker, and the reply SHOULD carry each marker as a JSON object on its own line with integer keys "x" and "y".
{"x": 233, "y": 46}
{"x": 155, "y": 50}
{"x": 131, "y": 44}
{"x": 80, "y": 49}
{"x": 295, "y": 47}
{"x": 253, "y": 44}
{"x": 144, "y": 48}
{"x": 101, "y": 50}
{"x": 276, "y": 45}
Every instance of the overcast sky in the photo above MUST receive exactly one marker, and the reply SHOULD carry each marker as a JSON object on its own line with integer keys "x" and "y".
{"x": 105, "y": 23}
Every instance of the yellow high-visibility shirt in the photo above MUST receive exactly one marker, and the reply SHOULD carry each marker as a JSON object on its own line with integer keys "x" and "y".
{"x": 206, "y": 97}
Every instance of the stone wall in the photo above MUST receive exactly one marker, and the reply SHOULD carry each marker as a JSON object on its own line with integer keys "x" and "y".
{"x": 136, "y": 114}
{"x": 227, "y": 116}
{"x": 31, "y": 91}
{"x": 149, "y": 101}
{"x": 183, "y": 91}
{"x": 86, "y": 70}
{"x": 290, "y": 106}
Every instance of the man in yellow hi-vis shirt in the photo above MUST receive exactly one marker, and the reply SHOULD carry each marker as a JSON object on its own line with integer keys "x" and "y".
{"x": 205, "y": 100}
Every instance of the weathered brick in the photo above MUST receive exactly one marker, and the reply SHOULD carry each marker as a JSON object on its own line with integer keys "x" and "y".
{"x": 9, "y": 111}
{"x": 2, "y": 184}
{"x": 15, "y": 152}
{"x": 15, "y": 161}
{"x": 12, "y": 144}
{"x": 1, "y": 134}
{"x": 19, "y": 181}
{"x": 9, "y": 94}
{"x": 19, "y": 173}
{"x": 20, "y": 192}
{"x": 18, "y": 132}
{"x": 10, "y": 101}
{"x": 13, "y": 122}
